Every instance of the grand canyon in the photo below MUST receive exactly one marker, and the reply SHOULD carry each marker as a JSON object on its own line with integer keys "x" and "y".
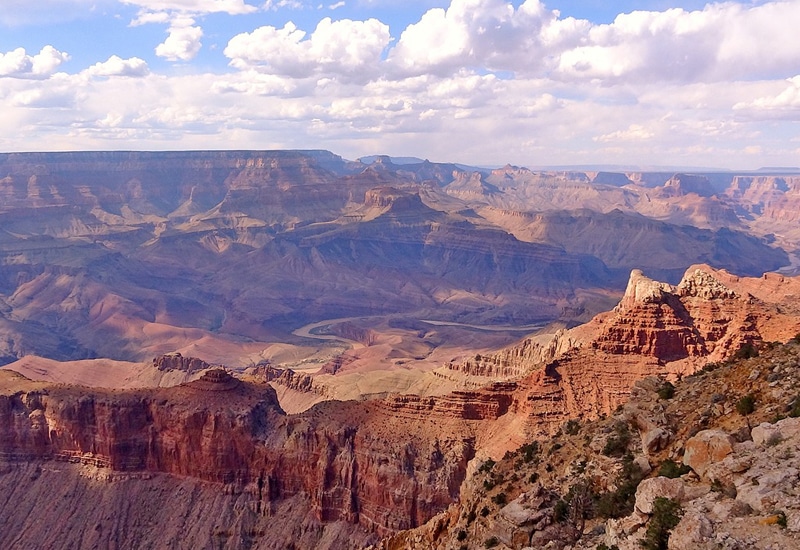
{"x": 288, "y": 349}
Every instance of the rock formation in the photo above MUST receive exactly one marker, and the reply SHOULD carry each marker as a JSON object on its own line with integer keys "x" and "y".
{"x": 597, "y": 485}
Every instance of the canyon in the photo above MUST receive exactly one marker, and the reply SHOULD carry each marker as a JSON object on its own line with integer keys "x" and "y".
{"x": 339, "y": 469}
{"x": 290, "y": 349}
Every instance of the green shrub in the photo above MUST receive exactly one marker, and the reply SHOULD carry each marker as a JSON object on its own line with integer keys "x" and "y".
{"x": 794, "y": 412}
{"x": 500, "y": 499}
{"x": 572, "y": 427}
{"x": 529, "y": 451}
{"x": 667, "y": 391}
{"x": 617, "y": 443}
{"x": 746, "y": 405}
{"x": 619, "y": 503}
{"x": 666, "y": 515}
{"x": 560, "y": 511}
{"x": 747, "y": 351}
{"x": 487, "y": 466}
{"x": 782, "y": 523}
{"x": 671, "y": 469}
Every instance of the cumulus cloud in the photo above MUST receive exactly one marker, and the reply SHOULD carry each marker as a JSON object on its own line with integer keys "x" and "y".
{"x": 116, "y": 66}
{"x": 342, "y": 47}
{"x": 722, "y": 41}
{"x": 781, "y": 104}
{"x": 18, "y": 64}
{"x": 486, "y": 34}
{"x": 183, "y": 41}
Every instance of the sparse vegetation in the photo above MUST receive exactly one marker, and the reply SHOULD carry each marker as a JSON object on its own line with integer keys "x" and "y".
{"x": 572, "y": 427}
{"x": 491, "y": 542}
{"x": 619, "y": 503}
{"x": 461, "y": 536}
{"x": 529, "y": 451}
{"x": 666, "y": 391}
{"x": 782, "y": 522}
{"x": 747, "y": 351}
{"x": 666, "y": 515}
{"x": 617, "y": 443}
{"x": 487, "y": 466}
{"x": 794, "y": 410}
{"x": 746, "y": 405}
{"x": 671, "y": 469}
{"x": 500, "y": 499}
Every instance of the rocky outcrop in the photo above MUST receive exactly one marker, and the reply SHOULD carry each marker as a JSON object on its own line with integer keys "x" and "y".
{"x": 590, "y": 486}
{"x": 175, "y": 361}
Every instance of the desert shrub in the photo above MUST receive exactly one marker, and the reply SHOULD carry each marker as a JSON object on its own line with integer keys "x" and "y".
{"x": 560, "y": 511}
{"x": 617, "y": 443}
{"x": 529, "y": 451}
{"x": 619, "y": 503}
{"x": 491, "y": 542}
{"x": 500, "y": 499}
{"x": 484, "y": 511}
{"x": 712, "y": 366}
{"x": 534, "y": 477}
{"x": 746, "y": 405}
{"x": 794, "y": 411}
{"x": 471, "y": 516}
{"x": 747, "y": 351}
{"x": 487, "y": 466}
{"x": 605, "y": 547}
{"x": 572, "y": 427}
{"x": 462, "y": 535}
{"x": 666, "y": 515}
{"x": 666, "y": 391}
{"x": 671, "y": 469}
{"x": 489, "y": 484}
{"x": 782, "y": 522}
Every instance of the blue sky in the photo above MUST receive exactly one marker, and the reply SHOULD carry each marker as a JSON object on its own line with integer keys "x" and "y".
{"x": 474, "y": 81}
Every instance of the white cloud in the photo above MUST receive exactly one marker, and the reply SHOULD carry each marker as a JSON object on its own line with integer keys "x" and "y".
{"x": 345, "y": 47}
{"x": 183, "y": 41}
{"x": 488, "y": 34}
{"x": 147, "y": 17}
{"x": 19, "y": 64}
{"x": 783, "y": 103}
{"x": 337, "y": 5}
{"x": 634, "y": 132}
{"x": 116, "y": 66}
{"x": 275, "y": 5}
{"x": 231, "y": 7}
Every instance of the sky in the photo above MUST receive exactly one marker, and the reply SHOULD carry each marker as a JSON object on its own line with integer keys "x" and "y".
{"x": 483, "y": 82}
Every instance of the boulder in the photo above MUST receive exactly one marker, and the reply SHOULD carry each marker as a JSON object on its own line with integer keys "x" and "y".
{"x": 707, "y": 448}
{"x": 650, "y": 489}
{"x": 693, "y": 530}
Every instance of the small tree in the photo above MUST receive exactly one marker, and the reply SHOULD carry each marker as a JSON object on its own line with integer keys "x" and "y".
{"x": 666, "y": 515}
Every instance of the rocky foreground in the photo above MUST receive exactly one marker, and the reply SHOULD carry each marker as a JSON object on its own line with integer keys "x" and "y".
{"x": 710, "y": 463}
{"x": 217, "y": 463}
